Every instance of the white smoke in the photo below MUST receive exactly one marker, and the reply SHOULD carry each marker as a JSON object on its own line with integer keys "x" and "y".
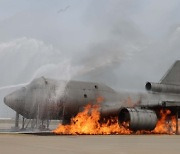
{"x": 13, "y": 86}
{"x": 122, "y": 43}
{"x": 27, "y": 58}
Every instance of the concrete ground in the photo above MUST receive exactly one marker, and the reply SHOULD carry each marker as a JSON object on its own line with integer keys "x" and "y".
{"x": 15, "y": 143}
{"x": 87, "y": 144}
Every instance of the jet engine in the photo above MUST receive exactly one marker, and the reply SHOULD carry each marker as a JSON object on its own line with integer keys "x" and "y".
{"x": 137, "y": 118}
{"x": 166, "y": 88}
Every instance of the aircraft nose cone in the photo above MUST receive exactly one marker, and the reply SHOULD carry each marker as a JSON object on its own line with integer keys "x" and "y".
{"x": 7, "y": 101}
{"x": 11, "y": 101}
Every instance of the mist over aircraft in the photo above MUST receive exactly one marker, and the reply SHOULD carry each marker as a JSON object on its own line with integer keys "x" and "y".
{"x": 47, "y": 99}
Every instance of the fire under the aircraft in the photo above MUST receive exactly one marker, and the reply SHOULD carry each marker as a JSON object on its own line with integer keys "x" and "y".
{"x": 88, "y": 122}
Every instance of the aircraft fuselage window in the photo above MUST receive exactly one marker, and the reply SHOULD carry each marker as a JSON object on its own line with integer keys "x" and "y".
{"x": 85, "y": 96}
{"x": 96, "y": 87}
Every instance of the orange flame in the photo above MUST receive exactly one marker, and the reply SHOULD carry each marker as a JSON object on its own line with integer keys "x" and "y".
{"x": 165, "y": 125}
{"x": 88, "y": 122}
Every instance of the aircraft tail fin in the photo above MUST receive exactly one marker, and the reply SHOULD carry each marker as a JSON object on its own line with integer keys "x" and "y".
{"x": 173, "y": 75}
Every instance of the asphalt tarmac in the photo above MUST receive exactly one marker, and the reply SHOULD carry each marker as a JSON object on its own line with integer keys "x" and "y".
{"x": 89, "y": 144}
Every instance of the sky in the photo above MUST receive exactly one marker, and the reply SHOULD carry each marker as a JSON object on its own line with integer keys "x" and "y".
{"x": 122, "y": 43}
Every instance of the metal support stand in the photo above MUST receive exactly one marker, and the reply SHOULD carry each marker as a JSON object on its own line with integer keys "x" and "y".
{"x": 177, "y": 126}
{"x": 29, "y": 120}
{"x": 48, "y": 124}
{"x": 37, "y": 118}
{"x": 17, "y": 120}
{"x": 23, "y": 123}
